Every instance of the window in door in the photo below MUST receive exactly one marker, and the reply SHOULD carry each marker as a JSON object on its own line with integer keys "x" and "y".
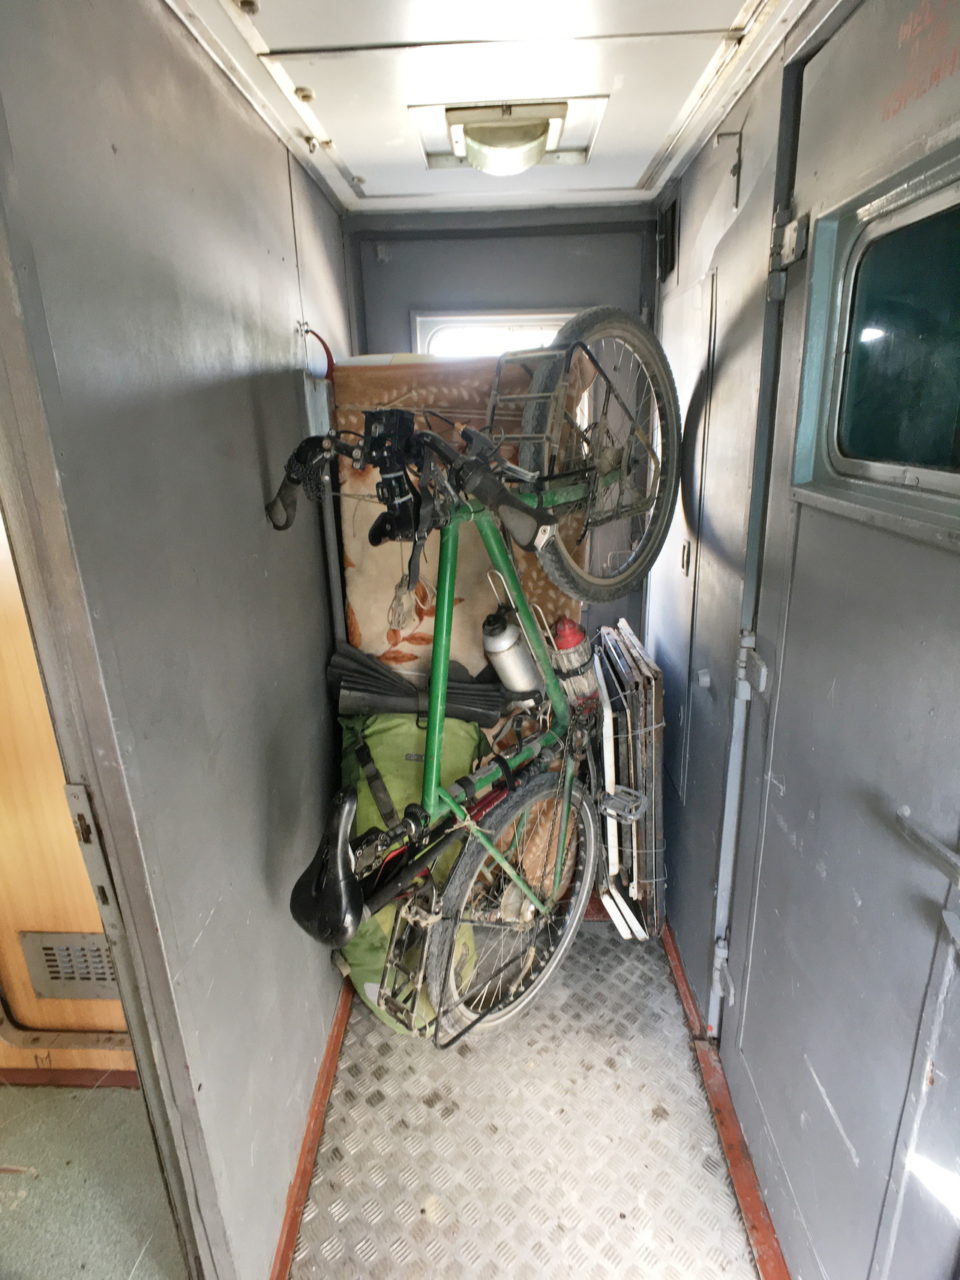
{"x": 900, "y": 396}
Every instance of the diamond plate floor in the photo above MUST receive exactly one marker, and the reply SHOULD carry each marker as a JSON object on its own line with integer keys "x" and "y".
{"x": 576, "y": 1142}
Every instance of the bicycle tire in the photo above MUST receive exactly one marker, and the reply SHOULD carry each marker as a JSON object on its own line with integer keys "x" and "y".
{"x": 477, "y": 885}
{"x": 551, "y": 447}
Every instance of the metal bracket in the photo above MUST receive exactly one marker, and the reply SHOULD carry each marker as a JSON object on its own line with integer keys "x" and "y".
{"x": 544, "y": 535}
{"x": 736, "y": 168}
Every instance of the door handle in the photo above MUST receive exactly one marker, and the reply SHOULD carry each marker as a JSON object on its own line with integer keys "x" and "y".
{"x": 940, "y": 854}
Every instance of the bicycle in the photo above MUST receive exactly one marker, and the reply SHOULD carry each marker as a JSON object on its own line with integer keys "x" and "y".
{"x": 592, "y": 491}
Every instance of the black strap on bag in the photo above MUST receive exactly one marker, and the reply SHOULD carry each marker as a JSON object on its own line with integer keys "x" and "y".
{"x": 378, "y": 788}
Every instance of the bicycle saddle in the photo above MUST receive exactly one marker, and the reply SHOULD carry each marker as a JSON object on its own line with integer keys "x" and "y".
{"x": 327, "y": 900}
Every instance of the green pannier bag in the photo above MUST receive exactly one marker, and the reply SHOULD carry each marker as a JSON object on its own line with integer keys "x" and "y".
{"x": 395, "y": 744}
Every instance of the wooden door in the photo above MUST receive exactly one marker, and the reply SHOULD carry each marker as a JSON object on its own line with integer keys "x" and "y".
{"x": 44, "y": 885}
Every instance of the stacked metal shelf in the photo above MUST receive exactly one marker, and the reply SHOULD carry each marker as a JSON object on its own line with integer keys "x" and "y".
{"x": 632, "y": 884}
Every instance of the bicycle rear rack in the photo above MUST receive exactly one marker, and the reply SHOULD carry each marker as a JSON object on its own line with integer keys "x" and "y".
{"x": 503, "y": 404}
{"x": 403, "y": 978}
{"x": 500, "y": 399}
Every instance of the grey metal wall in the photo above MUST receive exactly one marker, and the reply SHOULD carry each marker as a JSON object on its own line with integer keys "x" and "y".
{"x": 444, "y": 263}
{"x": 166, "y": 225}
{"x": 711, "y": 319}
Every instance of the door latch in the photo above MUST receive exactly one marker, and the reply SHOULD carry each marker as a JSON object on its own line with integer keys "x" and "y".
{"x": 722, "y": 980}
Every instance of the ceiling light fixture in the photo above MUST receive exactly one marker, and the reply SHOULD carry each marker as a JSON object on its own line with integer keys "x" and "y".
{"x": 507, "y": 139}
{"x": 504, "y": 149}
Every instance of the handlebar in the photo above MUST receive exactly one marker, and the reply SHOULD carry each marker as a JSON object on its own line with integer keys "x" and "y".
{"x": 393, "y": 441}
{"x": 473, "y": 475}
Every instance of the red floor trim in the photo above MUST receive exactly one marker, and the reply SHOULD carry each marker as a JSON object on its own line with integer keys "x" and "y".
{"x": 694, "y": 1021}
{"x": 70, "y": 1078}
{"x": 300, "y": 1185}
{"x": 763, "y": 1236}
{"x": 760, "y": 1229}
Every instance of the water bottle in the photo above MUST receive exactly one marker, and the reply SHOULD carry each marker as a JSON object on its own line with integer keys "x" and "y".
{"x": 509, "y": 654}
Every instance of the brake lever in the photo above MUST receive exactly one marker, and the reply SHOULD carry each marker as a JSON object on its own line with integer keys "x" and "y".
{"x": 481, "y": 446}
{"x": 517, "y": 473}
{"x": 478, "y": 444}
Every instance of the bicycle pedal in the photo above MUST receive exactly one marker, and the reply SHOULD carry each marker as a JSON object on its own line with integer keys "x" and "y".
{"x": 623, "y": 804}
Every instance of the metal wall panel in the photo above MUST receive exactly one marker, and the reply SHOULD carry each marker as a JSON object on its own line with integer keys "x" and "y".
{"x": 158, "y": 209}
{"x": 499, "y": 271}
{"x": 321, "y": 259}
{"x": 727, "y": 238}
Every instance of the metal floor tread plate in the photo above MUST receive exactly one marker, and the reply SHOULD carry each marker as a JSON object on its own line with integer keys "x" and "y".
{"x": 577, "y": 1141}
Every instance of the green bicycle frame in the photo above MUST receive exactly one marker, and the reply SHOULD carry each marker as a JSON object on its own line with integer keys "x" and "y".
{"x": 435, "y": 799}
{"x": 443, "y": 624}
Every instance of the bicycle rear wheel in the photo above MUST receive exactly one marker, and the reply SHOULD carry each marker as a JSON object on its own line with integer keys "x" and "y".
{"x": 494, "y": 951}
{"x": 619, "y": 428}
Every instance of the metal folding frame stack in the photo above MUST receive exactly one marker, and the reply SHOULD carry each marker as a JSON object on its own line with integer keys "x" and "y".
{"x": 632, "y": 881}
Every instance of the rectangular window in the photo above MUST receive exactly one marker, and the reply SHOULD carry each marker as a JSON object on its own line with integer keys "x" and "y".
{"x": 900, "y": 392}
{"x": 462, "y": 335}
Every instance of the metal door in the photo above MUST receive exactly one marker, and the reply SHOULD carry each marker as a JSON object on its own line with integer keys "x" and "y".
{"x": 837, "y": 946}
{"x": 711, "y": 327}
{"x": 687, "y": 333}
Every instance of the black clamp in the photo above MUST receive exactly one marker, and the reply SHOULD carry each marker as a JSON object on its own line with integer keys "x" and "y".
{"x": 509, "y": 777}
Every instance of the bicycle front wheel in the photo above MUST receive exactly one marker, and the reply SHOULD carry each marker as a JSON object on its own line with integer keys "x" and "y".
{"x": 618, "y": 428}
{"x": 493, "y": 950}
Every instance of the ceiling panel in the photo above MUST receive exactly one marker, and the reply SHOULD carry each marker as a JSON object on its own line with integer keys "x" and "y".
{"x": 361, "y": 101}
{"x": 662, "y": 75}
{"x": 307, "y": 24}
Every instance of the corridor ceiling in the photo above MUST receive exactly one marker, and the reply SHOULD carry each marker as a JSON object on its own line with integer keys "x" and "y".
{"x": 360, "y": 89}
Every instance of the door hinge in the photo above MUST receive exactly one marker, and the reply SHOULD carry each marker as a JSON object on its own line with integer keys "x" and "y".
{"x": 722, "y": 981}
{"x": 788, "y": 241}
{"x": 788, "y": 244}
{"x": 88, "y": 837}
{"x": 751, "y": 673}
